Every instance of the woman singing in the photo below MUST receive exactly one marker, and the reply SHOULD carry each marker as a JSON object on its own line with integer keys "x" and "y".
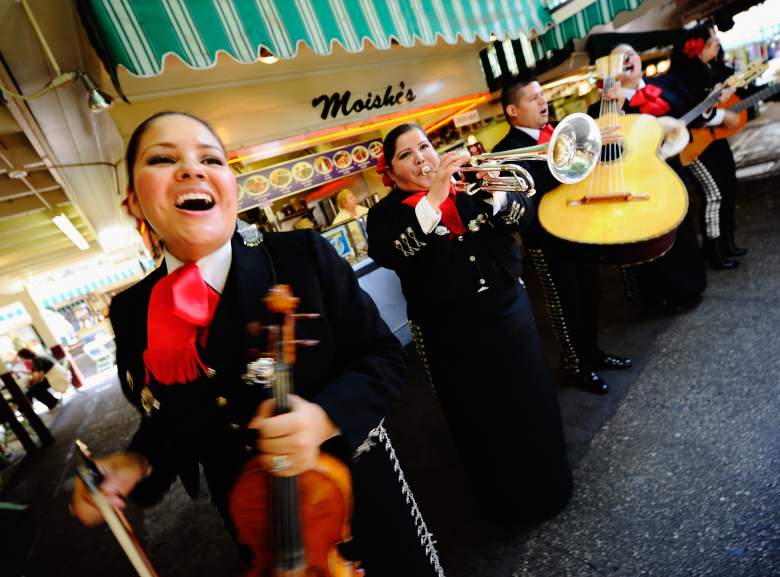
{"x": 473, "y": 325}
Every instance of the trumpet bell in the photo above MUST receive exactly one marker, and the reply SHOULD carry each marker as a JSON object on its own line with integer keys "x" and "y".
{"x": 571, "y": 154}
{"x": 574, "y": 148}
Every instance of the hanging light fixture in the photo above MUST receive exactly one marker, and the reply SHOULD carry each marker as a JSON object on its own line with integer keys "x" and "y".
{"x": 266, "y": 57}
{"x": 97, "y": 100}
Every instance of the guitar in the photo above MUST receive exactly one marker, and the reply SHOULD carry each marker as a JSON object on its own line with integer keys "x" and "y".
{"x": 633, "y": 202}
{"x": 701, "y": 138}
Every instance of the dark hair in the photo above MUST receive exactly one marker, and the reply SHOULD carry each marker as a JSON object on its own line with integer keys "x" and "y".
{"x": 388, "y": 144}
{"x": 26, "y": 354}
{"x": 140, "y": 130}
{"x": 694, "y": 73}
{"x": 511, "y": 91}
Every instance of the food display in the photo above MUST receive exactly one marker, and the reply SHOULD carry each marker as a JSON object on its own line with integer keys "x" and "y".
{"x": 323, "y": 165}
{"x": 375, "y": 149}
{"x": 342, "y": 159}
{"x": 302, "y": 171}
{"x": 360, "y": 154}
{"x": 261, "y": 187}
{"x": 280, "y": 178}
{"x": 256, "y": 185}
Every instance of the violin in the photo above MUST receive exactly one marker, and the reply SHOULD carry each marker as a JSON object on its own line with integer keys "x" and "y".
{"x": 293, "y": 525}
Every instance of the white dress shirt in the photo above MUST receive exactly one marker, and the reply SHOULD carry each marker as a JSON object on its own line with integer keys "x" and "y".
{"x": 213, "y": 267}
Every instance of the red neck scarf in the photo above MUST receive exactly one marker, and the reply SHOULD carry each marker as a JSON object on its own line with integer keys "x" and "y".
{"x": 648, "y": 100}
{"x": 546, "y": 133}
{"x": 180, "y": 310}
{"x": 449, "y": 212}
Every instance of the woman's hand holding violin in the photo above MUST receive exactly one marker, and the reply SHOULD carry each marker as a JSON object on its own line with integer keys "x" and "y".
{"x": 292, "y": 438}
{"x": 442, "y": 177}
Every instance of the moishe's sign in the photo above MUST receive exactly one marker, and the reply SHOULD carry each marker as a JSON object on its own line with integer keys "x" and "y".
{"x": 342, "y": 103}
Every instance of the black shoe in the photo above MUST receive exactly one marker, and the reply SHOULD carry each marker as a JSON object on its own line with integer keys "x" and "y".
{"x": 664, "y": 307}
{"x": 591, "y": 382}
{"x": 714, "y": 256}
{"x": 729, "y": 248}
{"x": 607, "y": 361}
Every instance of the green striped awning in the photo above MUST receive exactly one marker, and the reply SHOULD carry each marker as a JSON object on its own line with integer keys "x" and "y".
{"x": 577, "y": 26}
{"x": 139, "y": 34}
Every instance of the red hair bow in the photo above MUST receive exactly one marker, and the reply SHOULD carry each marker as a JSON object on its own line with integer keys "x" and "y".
{"x": 693, "y": 47}
{"x": 381, "y": 168}
{"x": 648, "y": 100}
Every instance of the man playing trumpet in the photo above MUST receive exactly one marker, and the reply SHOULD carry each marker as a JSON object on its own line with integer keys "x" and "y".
{"x": 569, "y": 273}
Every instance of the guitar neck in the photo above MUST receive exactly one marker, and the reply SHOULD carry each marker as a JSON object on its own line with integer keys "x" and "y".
{"x": 754, "y": 98}
{"x": 708, "y": 102}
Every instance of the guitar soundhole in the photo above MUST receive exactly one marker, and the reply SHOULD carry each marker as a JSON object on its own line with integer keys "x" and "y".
{"x": 611, "y": 152}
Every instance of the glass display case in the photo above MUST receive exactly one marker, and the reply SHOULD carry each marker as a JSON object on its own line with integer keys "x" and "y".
{"x": 349, "y": 238}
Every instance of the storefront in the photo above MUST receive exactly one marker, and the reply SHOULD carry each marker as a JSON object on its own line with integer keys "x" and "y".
{"x": 312, "y": 127}
{"x": 305, "y": 120}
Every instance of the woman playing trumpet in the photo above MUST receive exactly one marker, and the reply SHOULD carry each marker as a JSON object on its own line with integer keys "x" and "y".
{"x": 473, "y": 325}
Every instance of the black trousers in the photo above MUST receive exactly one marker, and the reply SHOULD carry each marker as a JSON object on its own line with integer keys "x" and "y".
{"x": 41, "y": 392}
{"x": 494, "y": 385}
{"x": 570, "y": 279}
{"x": 719, "y": 160}
{"x": 678, "y": 277}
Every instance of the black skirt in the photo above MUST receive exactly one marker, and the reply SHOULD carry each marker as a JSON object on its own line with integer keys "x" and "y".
{"x": 487, "y": 367}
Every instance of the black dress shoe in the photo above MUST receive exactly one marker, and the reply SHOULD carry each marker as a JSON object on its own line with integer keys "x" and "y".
{"x": 607, "y": 361}
{"x": 714, "y": 256}
{"x": 730, "y": 248}
{"x": 591, "y": 382}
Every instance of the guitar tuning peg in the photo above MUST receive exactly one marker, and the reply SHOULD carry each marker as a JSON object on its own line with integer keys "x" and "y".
{"x": 306, "y": 316}
{"x": 253, "y": 353}
{"x": 254, "y": 328}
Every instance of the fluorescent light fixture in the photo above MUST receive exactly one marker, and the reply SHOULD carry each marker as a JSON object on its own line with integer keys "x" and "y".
{"x": 66, "y": 226}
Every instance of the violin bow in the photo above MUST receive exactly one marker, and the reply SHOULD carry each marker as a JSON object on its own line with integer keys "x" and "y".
{"x": 115, "y": 519}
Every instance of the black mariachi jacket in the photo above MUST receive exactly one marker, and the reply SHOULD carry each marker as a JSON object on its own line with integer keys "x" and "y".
{"x": 544, "y": 181}
{"x": 354, "y": 372}
{"x": 438, "y": 270}
{"x": 535, "y": 235}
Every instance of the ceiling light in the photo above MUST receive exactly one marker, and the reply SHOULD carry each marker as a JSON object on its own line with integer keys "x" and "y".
{"x": 66, "y": 226}
{"x": 97, "y": 100}
{"x": 266, "y": 57}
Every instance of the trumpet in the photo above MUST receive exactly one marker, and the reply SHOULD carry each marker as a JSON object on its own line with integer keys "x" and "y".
{"x": 571, "y": 155}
